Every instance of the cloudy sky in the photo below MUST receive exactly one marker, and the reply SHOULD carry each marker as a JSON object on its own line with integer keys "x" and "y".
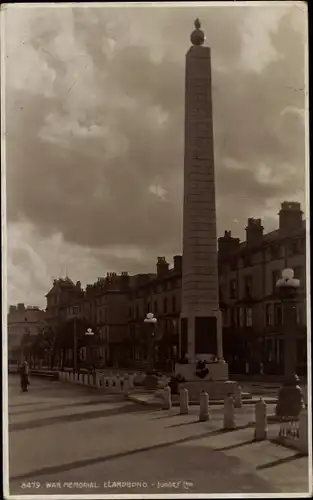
{"x": 94, "y": 131}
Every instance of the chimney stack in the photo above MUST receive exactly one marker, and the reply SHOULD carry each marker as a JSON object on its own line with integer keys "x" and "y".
{"x": 290, "y": 217}
{"x": 178, "y": 263}
{"x": 227, "y": 244}
{"x": 254, "y": 232}
{"x": 162, "y": 266}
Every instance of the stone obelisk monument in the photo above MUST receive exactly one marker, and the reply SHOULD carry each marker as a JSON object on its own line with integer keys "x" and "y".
{"x": 200, "y": 328}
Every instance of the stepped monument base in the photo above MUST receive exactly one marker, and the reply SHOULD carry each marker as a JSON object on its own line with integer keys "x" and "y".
{"x": 212, "y": 378}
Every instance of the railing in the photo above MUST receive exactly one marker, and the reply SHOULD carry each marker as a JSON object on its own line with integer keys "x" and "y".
{"x": 290, "y": 428}
{"x": 293, "y": 432}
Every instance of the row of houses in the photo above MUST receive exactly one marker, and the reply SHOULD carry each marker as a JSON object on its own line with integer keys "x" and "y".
{"x": 116, "y": 305}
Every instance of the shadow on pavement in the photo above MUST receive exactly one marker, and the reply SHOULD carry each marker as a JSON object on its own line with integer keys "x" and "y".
{"x": 206, "y": 471}
{"x": 93, "y": 402}
{"x": 281, "y": 461}
{"x": 237, "y": 445}
{"x": 56, "y": 469}
{"x": 18, "y": 405}
{"x": 183, "y": 423}
{"x": 77, "y": 417}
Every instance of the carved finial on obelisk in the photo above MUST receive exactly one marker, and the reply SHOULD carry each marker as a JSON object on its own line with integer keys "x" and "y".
{"x": 197, "y": 36}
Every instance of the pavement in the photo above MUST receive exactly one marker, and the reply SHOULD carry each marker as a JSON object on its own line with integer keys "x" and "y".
{"x": 68, "y": 439}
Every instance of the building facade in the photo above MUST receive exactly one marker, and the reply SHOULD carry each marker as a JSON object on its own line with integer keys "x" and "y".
{"x": 23, "y": 321}
{"x": 159, "y": 294}
{"x": 251, "y": 308}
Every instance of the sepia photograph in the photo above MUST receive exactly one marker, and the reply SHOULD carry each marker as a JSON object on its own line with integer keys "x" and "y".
{"x": 156, "y": 250}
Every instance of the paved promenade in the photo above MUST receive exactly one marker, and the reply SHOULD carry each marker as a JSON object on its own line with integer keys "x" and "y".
{"x": 74, "y": 440}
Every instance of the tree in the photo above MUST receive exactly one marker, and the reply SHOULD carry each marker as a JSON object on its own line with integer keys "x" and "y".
{"x": 44, "y": 344}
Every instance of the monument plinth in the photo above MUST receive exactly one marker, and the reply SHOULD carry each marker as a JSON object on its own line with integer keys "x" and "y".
{"x": 200, "y": 326}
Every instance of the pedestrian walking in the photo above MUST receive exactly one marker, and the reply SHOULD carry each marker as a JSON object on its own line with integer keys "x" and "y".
{"x": 24, "y": 376}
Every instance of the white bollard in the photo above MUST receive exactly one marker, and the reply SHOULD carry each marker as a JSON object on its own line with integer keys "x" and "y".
{"x": 260, "y": 431}
{"x": 229, "y": 413}
{"x": 238, "y": 398}
{"x": 204, "y": 406}
{"x": 303, "y": 432}
{"x": 184, "y": 402}
{"x": 167, "y": 399}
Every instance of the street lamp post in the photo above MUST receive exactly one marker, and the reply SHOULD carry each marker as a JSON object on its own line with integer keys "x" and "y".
{"x": 89, "y": 333}
{"x": 151, "y": 320}
{"x": 290, "y": 397}
{"x": 75, "y": 312}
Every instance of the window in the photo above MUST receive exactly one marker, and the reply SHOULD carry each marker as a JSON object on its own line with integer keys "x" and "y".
{"x": 278, "y": 317}
{"x": 301, "y": 350}
{"x": 233, "y": 263}
{"x": 165, "y": 305}
{"x": 298, "y": 272}
{"x": 233, "y": 289}
{"x": 275, "y": 277}
{"x": 248, "y": 285}
{"x": 130, "y": 312}
{"x": 302, "y": 245}
{"x": 99, "y": 315}
{"x": 248, "y": 316}
{"x": 274, "y": 252}
{"x": 174, "y": 303}
{"x": 294, "y": 247}
{"x": 148, "y": 307}
{"x": 269, "y": 350}
{"x": 137, "y": 311}
{"x": 166, "y": 326}
{"x": 239, "y": 318}
{"x": 246, "y": 259}
{"x": 269, "y": 314}
{"x": 155, "y": 307}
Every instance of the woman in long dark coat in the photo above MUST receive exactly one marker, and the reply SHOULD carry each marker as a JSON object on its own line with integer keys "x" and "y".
{"x": 24, "y": 376}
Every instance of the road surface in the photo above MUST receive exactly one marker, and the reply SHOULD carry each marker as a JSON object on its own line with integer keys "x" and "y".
{"x": 70, "y": 439}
